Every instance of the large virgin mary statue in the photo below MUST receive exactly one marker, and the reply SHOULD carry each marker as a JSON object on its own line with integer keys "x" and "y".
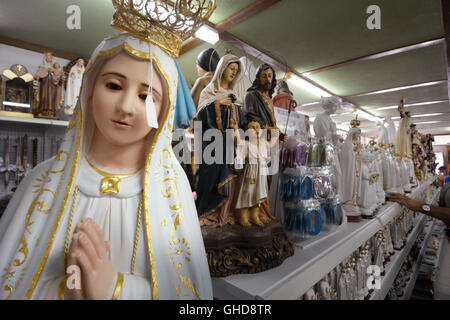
{"x": 220, "y": 110}
{"x": 147, "y": 216}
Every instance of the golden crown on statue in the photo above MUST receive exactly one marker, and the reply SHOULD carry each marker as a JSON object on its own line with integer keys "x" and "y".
{"x": 165, "y": 23}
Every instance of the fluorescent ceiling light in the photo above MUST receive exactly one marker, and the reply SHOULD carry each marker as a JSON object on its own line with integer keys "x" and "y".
{"x": 425, "y": 84}
{"x": 302, "y": 83}
{"x": 426, "y": 115}
{"x": 414, "y": 104}
{"x": 421, "y": 115}
{"x": 428, "y": 122}
{"x": 208, "y": 34}
{"x": 310, "y": 104}
{"x": 340, "y": 114}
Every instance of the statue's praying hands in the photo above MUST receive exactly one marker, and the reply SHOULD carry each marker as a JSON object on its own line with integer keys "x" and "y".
{"x": 89, "y": 251}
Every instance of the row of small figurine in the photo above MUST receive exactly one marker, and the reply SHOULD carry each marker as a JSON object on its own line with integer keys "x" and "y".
{"x": 397, "y": 291}
{"x": 380, "y": 172}
{"x": 15, "y": 161}
{"x": 431, "y": 258}
{"x": 43, "y": 93}
{"x": 349, "y": 280}
{"x": 401, "y": 281}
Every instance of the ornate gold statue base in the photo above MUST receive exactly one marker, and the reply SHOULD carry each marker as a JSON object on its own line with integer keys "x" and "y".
{"x": 234, "y": 249}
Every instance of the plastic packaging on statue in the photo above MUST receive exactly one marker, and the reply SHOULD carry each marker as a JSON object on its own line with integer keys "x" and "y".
{"x": 294, "y": 153}
{"x": 321, "y": 153}
{"x": 303, "y": 219}
{"x": 296, "y": 187}
{"x": 309, "y": 193}
{"x": 333, "y": 210}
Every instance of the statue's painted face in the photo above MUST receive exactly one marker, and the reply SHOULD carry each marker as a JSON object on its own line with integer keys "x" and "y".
{"x": 118, "y": 99}
{"x": 230, "y": 72}
{"x": 48, "y": 57}
{"x": 80, "y": 63}
{"x": 56, "y": 65}
{"x": 265, "y": 78}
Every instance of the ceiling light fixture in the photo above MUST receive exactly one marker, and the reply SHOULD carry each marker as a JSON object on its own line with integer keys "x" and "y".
{"x": 414, "y": 104}
{"x": 426, "y": 115}
{"x": 302, "y": 83}
{"x": 208, "y": 34}
{"x": 310, "y": 104}
{"x": 428, "y": 122}
{"x": 419, "y": 85}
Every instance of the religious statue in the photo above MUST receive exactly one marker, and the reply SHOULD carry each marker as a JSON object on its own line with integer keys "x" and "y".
{"x": 73, "y": 86}
{"x": 416, "y": 150}
{"x": 219, "y": 109}
{"x": 351, "y": 176}
{"x": 56, "y": 92}
{"x": 403, "y": 142}
{"x": 259, "y": 114}
{"x": 238, "y": 192}
{"x": 367, "y": 200}
{"x": 50, "y": 81}
{"x": 251, "y": 203}
{"x": 283, "y": 96}
{"x": 115, "y": 192}
{"x": 392, "y": 132}
{"x": 207, "y": 61}
{"x": 383, "y": 136}
{"x": 324, "y": 289}
{"x": 324, "y": 127}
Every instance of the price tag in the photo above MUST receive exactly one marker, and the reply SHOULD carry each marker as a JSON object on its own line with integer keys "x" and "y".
{"x": 239, "y": 163}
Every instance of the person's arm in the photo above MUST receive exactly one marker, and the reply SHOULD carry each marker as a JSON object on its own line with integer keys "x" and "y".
{"x": 440, "y": 213}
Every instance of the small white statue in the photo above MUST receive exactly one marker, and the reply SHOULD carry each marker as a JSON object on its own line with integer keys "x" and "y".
{"x": 324, "y": 127}
{"x": 73, "y": 86}
{"x": 383, "y": 136}
{"x": 367, "y": 200}
{"x": 351, "y": 176}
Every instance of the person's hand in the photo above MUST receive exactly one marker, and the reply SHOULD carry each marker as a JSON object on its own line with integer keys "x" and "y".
{"x": 97, "y": 273}
{"x": 408, "y": 202}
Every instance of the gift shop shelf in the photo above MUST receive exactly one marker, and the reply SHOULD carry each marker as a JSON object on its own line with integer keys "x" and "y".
{"x": 307, "y": 266}
{"x": 38, "y": 121}
{"x": 410, "y": 286}
{"x": 393, "y": 266}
